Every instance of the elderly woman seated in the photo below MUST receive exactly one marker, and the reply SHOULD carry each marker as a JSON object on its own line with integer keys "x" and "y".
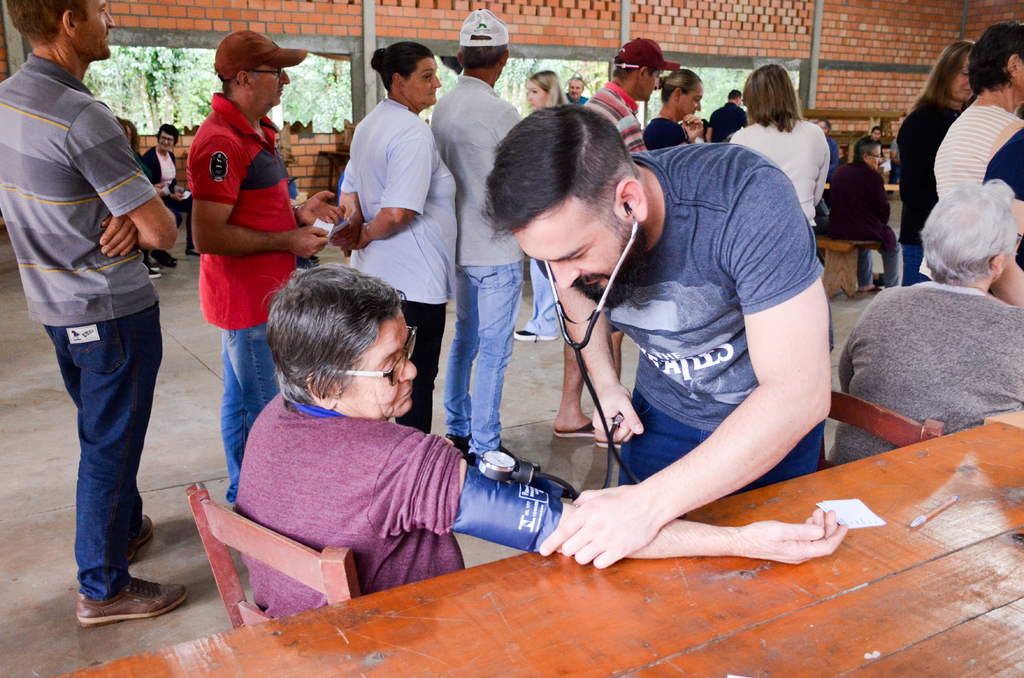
{"x": 325, "y": 467}
{"x": 946, "y": 349}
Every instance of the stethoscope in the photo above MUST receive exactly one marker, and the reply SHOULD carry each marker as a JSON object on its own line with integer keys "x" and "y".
{"x": 577, "y": 347}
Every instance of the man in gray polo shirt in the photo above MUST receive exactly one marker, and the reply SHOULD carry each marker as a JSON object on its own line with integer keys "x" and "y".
{"x": 468, "y": 124}
{"x": 77, "y": 209}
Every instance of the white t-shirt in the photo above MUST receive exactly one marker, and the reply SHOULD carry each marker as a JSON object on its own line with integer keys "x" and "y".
{"x": 395, "y": 164}
{"x": 968, "y": 146}
{"x": 802, "y": 154}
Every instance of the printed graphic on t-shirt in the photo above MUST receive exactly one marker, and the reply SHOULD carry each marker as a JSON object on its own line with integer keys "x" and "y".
{"x": 218, "y": 166}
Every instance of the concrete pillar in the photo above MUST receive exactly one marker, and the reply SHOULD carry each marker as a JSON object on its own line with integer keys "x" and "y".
{"x": 625, "y": 14}
{"x": 369, "y": 76}
{"x": 811, "y": 100}
{"x": 963, "y": 21}
{"x": 18, "y": 48}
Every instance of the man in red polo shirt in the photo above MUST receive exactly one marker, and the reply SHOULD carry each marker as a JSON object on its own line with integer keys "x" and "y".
{"x": 245, "y": 227}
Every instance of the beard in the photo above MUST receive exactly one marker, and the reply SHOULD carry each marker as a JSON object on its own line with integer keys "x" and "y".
{"x": 632, "y": 273}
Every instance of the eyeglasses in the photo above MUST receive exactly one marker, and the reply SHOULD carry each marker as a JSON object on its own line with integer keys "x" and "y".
{"x": 276, "y": 72}
{"x": 394, "y": 375}
{"x": 165, "y": 140}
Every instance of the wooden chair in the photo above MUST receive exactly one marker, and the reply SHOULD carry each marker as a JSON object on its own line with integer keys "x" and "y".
{"x": 891, "y": 427}
{"x": 841, "y": 263}
{"x": 332, "y": 572}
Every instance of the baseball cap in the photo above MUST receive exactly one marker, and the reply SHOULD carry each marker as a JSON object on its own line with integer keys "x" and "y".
{"x": 483, "y": 29}
{"x": 644, "y": 52}
{"x": 247, "y": 50}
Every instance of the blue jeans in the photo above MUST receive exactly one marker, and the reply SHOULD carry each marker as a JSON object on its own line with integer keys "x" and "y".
{"x": 666, "y": 441}
{"x": 111, "y": 382}
{"x": 890, "y": 267}
{"x": 913, "y": 255}
{"x": 543, "y": 321}
{"x": 249, "y": 384}
{"x": 487, "y": 301}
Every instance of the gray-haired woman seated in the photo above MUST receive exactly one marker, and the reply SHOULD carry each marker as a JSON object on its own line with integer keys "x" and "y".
{"x": 946, "y": 349}
{"x": 325, "y": 467}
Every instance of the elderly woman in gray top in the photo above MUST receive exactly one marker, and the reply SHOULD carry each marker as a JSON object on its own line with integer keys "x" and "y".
{"x": 946, "y": 349}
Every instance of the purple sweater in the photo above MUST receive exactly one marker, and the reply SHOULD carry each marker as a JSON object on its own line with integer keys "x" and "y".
{"x": 859, "y": 207}
{"x": 388, "y": 492}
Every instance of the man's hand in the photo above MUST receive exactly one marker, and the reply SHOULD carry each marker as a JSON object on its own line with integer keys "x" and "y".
{"x": 318, "y": 207}
{"x": 120, "y": 236}
{"x": 608, "y": 526}
{"x": 694, "y": 127}
{"x": 351, "y": 208}
{"x": 348, "y": 238}
{"x": 616, "y": 400}
{"x": 306, "y": 241}
{"x": 790, "y": 543}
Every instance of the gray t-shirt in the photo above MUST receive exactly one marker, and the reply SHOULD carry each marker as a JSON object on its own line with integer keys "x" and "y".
{"x": 65, "y": 166}
{"x": 735, "y": 242}
{"x": 932, "y": 351}
{"x": 395, "y": 164}
{"x": 468, "y": 124}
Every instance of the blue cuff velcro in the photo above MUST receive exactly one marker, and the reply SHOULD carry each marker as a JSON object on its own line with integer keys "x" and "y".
{"x": 510, "y": 514}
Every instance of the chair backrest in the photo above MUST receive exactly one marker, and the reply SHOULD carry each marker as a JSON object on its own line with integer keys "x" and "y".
{"x": 331, "y": 572}
{"x": 890, "y": 426}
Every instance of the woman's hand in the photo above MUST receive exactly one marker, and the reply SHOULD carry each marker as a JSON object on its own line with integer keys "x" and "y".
{"x": 694, "y": 127}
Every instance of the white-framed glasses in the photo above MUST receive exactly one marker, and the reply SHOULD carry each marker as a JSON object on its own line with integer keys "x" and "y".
{"x": 394, "y": 375}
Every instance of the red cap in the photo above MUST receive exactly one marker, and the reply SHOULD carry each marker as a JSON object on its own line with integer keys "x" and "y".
{"x": 248, "y": 50}
{"x": 644, "y": 52}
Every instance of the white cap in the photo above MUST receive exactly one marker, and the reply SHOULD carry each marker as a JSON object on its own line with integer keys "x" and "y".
{"x": 488, "y": 30}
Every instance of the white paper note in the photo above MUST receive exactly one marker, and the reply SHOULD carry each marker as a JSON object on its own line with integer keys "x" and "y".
{"x": 852, "y": 513}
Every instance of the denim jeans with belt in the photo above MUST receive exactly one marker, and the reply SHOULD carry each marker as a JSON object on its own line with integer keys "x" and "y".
{"x": 665, "y": 441}
{"x": 249, "y": 385}
{"x": 487, "y": 301}
{"x": 109, "y": 370}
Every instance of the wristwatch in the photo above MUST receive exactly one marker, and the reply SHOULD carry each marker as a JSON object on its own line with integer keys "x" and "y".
{"x": 497, "y": 465}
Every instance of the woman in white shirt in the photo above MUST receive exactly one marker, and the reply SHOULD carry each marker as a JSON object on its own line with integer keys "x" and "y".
{"x": 778, "y": 131}
{"x": 400, "y": 199}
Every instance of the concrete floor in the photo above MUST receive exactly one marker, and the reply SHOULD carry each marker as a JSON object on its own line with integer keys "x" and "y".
{"x": 39, "y": 635}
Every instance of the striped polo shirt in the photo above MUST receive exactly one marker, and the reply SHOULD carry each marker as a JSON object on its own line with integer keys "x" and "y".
{"x": 65, "y": 166}
{"x": 614, "y": 104}
{"x": 968, "y": 146}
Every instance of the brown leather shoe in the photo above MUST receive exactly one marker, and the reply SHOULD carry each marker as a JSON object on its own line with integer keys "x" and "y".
{"x": 144, "y": 535}
{"x": 139, "y": 600}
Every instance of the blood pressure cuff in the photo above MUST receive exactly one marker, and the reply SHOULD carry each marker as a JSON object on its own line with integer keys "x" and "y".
{"x": 510, "y": 514}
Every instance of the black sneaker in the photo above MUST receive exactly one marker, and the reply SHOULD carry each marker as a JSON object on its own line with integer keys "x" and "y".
{"x": 164, "y": 259}
{"x": 461, "y": 443}
{"x": 523, "y": 335}
{"x": 151, "y": 267}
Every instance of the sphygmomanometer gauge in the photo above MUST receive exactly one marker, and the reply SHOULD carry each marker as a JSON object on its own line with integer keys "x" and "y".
{"x": 497, "y": 465}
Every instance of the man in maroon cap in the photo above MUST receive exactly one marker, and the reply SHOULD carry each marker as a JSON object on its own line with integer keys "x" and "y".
{"x": 245, "y": 227}
{"x": 637, "y": 67}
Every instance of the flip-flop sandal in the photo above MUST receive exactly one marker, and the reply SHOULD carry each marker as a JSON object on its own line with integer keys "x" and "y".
{"x": 586, "y": 431}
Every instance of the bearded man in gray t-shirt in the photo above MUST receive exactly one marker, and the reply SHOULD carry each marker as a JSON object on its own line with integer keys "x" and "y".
{"x": 78, "y": 208}
{"x": 720, "y": 289}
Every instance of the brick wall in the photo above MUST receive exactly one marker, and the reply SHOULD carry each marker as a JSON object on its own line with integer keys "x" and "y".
{"x": 310, "y": 170}
{"x": 983, "y": 13}
{"x": 337, "y": 17}
{"x": 3, "y": 52}
{"x": 894, "y": 32}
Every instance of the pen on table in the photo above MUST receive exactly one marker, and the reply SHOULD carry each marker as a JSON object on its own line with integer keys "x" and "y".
{"x": 921, "y": 520}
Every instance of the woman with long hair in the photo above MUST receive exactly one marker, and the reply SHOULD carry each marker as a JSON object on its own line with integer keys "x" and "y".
{"x": 544, "y": 90}
{"x": 940, "y": 102}
{"x": 777, "y": 129}
{"x": 681, "y": 93}
{"x": 400, "y": 199}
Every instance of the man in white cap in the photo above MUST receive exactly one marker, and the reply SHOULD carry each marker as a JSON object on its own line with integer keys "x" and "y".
{"x": 468, "y": 124}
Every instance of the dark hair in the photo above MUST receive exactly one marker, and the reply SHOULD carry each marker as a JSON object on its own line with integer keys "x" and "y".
{"x": 771, "y": 99}
{"x": 986, "y": 67}
{"x": 169, "y": 130}
{"x": 40, "y": 20}
{"x": 321, "y": 323}
{"x": 734, "y": 94}
{"x": 551, "y": 156}
{"x": 935, "y": 92}
{"x": 683, "y": 79}
{"x": 401, "y": 58}
{"x": 828, "y": 125}
{"x": 864, "y": 145}
{"x": 485, "y": 56}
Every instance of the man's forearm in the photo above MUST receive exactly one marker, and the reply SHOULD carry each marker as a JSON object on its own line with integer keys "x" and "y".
{"x": 389, "y": 220}
{"x": 236, "y": 241}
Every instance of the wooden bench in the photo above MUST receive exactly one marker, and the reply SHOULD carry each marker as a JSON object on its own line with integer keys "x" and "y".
{"x": 841, "y": 263}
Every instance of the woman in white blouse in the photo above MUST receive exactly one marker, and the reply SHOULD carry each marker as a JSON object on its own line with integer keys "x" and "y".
{"x": 778, "y": 131}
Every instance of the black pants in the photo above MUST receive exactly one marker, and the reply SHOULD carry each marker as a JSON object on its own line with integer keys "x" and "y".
{"x": 428, "y": 319}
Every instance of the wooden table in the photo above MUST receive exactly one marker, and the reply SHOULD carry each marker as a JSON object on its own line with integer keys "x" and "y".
{"x": 945, "y": 599}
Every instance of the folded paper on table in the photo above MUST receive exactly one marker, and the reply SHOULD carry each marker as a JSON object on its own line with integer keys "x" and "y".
{"x": 852, "y": 512}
